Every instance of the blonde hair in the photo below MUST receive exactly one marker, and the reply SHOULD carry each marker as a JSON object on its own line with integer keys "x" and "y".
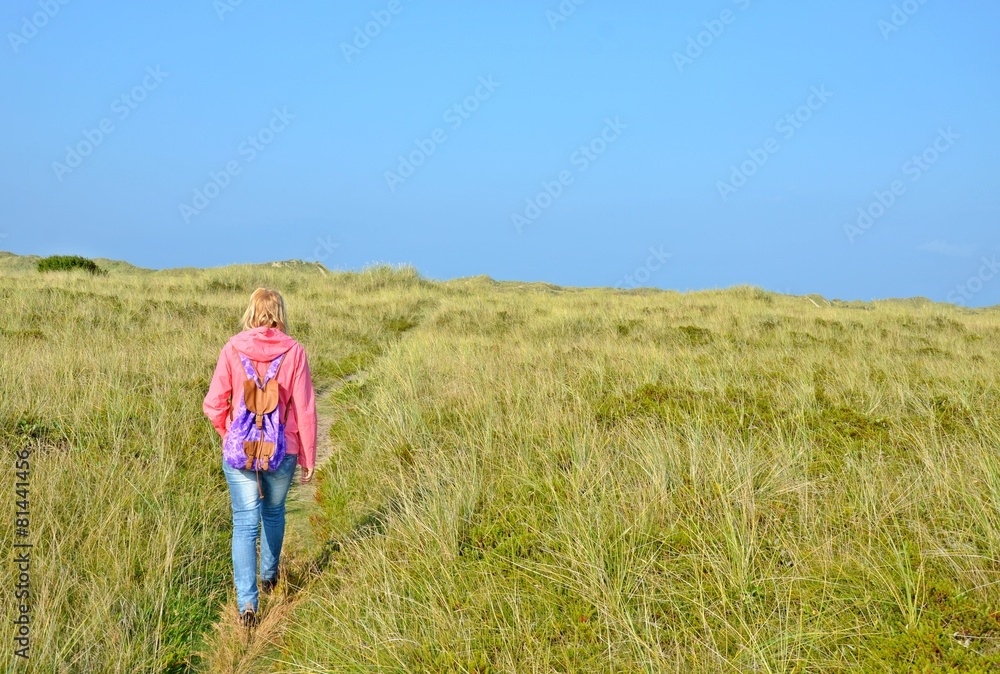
{"x": 266, "y": 309}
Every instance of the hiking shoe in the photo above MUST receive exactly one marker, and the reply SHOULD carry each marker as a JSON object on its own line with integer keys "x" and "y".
{"x": 249, "y": 617}
{"x": 267, "y": 586}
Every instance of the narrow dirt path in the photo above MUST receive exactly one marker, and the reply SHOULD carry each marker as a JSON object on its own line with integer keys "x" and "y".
{"x": 230, "y": 647}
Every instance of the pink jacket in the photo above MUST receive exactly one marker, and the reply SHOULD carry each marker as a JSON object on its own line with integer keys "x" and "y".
{"x": 261, "y": 346}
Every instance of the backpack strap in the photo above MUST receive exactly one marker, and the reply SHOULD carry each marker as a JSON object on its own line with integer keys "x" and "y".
{"x": 251, "y": 372}
{"x": 248, "y": 368}
{"x": 272, "y": 370}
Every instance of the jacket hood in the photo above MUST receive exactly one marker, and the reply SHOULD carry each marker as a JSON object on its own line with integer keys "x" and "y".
{"x": 262, "y": 344}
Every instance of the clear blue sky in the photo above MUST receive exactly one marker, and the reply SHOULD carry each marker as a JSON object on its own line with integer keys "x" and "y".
{"x": 202, "y": 82}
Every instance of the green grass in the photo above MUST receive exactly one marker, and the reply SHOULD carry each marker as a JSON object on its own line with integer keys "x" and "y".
{"x": 527, "y": 479}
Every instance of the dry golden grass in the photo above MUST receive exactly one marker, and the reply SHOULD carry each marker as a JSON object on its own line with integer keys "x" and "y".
{"x": 528, "y": 479}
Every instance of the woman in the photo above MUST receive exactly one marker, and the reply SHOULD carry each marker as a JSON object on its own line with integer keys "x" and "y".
{"x": 259, "y": 496}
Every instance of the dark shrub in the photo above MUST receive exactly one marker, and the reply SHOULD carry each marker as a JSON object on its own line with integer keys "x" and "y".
{"x": 66, "y": 263}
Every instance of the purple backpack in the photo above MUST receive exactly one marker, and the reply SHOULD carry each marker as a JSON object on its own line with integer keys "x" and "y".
{"x": 256, "y": 437}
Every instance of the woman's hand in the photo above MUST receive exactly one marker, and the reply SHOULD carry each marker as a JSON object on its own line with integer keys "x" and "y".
{"x": 307, "y": 475}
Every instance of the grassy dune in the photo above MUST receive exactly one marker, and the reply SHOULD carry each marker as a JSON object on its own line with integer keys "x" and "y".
{"x": 527, "y": 479}
{"x": 103, "y": 377}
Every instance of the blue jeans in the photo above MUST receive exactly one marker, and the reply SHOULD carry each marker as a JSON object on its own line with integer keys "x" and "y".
{"x": 249, "y": 510}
